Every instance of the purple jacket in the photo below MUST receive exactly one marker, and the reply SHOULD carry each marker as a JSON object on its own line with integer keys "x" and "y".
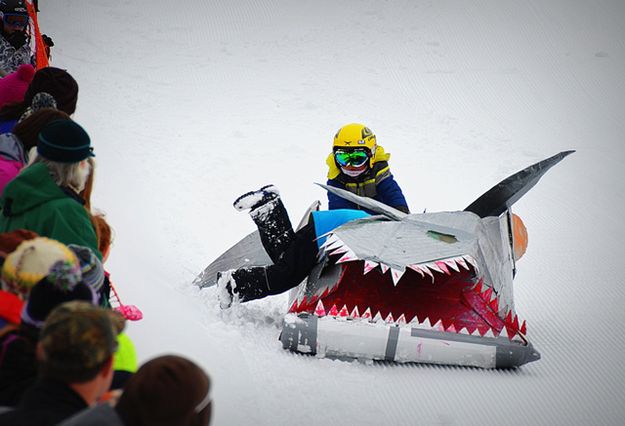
{"x": 12, "y": 158}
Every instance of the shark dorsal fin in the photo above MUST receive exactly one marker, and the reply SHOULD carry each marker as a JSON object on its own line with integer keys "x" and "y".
{"x": 500, "y": 197}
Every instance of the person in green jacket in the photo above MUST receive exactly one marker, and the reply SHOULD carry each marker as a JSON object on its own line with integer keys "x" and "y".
{"x": 44, "y": 197}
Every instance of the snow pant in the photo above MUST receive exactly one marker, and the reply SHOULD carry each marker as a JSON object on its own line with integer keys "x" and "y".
{"x": 294, "y": 255}
{"x": 274, "y": 227}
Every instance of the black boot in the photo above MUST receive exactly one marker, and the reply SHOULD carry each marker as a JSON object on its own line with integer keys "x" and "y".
{"x": 253, "y": 199}
{"x": 244, "y": 284}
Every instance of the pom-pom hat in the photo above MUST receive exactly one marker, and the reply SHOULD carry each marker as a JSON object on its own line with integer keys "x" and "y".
{"x": 32, "y": 261}
{"x": 57, "y": 82}
{"x": 64, "y": 141}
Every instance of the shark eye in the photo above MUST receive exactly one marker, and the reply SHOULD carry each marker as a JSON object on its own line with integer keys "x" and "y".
{"x": 446, "y": 238}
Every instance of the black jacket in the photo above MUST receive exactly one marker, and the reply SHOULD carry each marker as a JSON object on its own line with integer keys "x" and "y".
{"x": 47, "y": 403}
{"x": 18, "y": 365}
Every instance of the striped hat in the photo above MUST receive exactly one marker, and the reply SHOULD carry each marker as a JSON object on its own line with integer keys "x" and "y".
{"x": 90, "y": 266}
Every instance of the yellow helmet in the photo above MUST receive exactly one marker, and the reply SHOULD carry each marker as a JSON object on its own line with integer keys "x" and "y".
{"x": 355, "y": 136}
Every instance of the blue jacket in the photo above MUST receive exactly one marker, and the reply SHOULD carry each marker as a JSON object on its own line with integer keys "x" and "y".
{"x": 376, "y": 182}
{"x": 387, "y": 192}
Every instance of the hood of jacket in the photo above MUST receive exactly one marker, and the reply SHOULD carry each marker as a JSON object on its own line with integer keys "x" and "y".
{"x": 334, "y": 170}
{"x": 31, "y": 188}
{"x": 11, "y": 148}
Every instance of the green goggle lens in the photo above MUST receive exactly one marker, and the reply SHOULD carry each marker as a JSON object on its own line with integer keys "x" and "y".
{"x": 351, "y": 158}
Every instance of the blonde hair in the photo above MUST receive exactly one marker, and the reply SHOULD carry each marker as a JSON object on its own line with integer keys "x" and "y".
{"x": 66, "y": 174}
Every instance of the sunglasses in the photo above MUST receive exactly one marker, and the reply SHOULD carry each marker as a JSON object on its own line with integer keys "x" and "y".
{"x": 354, "y": 158}
{"x": 16, "y": 20}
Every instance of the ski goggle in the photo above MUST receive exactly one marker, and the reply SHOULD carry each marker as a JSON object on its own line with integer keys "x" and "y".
{"x": 354, "y": 158}
{"x": 15, "y": 20}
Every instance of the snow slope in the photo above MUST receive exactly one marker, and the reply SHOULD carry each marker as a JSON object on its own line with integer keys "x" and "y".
{"x": 191, "y": 103}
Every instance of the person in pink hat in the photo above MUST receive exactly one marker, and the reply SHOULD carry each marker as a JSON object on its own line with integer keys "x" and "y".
{"x": 13, "y": 86}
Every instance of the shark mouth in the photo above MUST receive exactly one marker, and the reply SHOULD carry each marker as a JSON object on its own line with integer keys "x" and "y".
{"x": 446, "y": 295}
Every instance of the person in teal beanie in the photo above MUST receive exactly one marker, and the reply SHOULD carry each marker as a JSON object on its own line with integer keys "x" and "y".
{"x": 44, "y": 197}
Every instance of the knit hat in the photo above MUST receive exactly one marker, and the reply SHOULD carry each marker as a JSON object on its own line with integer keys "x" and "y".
{"x": 90, "y": 267}
{"x": 32, "y": 261}
{"x": 76, "y": 339}
{"x": 64, "y": 141}
{"x": 40, "y": 101}
{"x": 59, "y": 84}
{"x": 168, "y": 390}
{"x": 62, "y": 285}
{"x": 13, "y": 86}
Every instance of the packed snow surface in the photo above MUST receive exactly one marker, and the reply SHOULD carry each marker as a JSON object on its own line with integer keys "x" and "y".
{"x": 190, "y": 104}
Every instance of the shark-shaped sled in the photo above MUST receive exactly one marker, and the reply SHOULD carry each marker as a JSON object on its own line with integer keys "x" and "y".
{"x": 431, "y": 287}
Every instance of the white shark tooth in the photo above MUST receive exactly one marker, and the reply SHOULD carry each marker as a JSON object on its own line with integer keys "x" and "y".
{"x": 344, "y": 312}
{"x": 366, "y": 314}
{"x": 369, "y": 266}
{"x": 417, "y": 268}
{"x": 377, "y": 317}
{"x": 330, "y": 240}
{"x": 355, "y": 313}
{"x": 510, "y": 332}
{"x": 460, "y": 261}
{"x": 464, "y": 330}
{"x": 451, "y": 329}
{"x": 335, "y": 244}
{"x": 439, "y": 326}
{"x": 426, "y": 323}
{"x": 396, "y": 274}
{"x": 434, "y": 267}
{"x": 347, "y": 257}
{"x": 414, "y": 321}
{"x": 320, "y": 310}
{"x": 389, "y": 318}
{"x": 452, "y": 264}
{"x": 321, "y": 254}
{"x": 384, "y": 267}
{"x": 334, "y": 311}
{"x": 472, "y": 262}
{"x": 489, "y": 333}
{"x": 443, "y": 267}
{"x": 475, "y": 332}
{"x": 340, "y": 250}
{"x": 425, "y": 269}
{"x": 401, "y": 320}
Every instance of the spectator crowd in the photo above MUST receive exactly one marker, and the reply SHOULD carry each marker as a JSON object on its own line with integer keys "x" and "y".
{"x": 64, "y": 356}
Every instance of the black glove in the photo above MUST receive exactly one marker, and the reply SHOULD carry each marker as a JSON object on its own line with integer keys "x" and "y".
{"x": 17, "y": 39}
{"x": 47, "y": 40}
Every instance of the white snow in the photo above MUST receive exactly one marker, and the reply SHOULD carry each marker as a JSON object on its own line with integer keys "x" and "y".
{"x": 190, "y": 104}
